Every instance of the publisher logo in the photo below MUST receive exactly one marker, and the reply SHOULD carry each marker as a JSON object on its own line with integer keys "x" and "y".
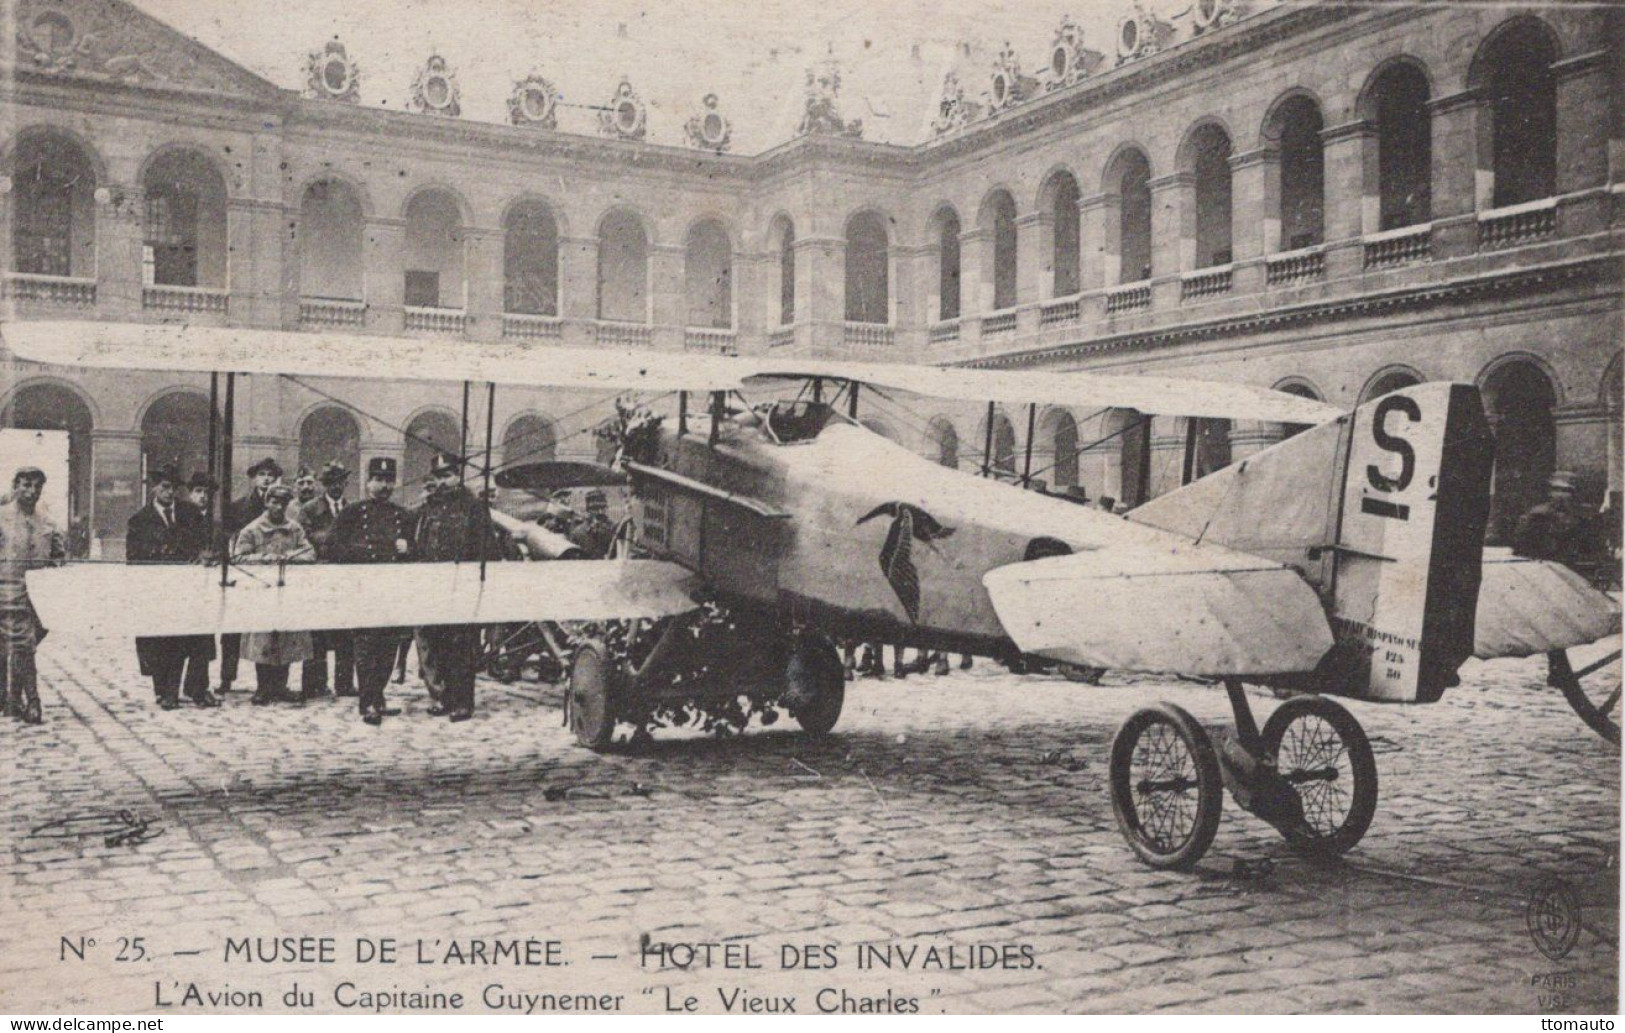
{"x": 1553, "y": 917}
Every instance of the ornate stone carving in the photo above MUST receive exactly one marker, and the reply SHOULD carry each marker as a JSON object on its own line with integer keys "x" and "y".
{"x": 1207, "y": 15}
{"x": 709, "y": 128}
{"x": 820, "y": 115}
{"x": 435, "y": 90}
{"x": 101, "y": 39}
{"x": 331, "y": 75}
{"x": 954, "y": 109}
{"x": 534, "y": 102}
{"x": 1007, "y": 86}
{"x": 1141, "y": 34}
{"x": 1069, "y": 60}
{"x": 626, "y": 116}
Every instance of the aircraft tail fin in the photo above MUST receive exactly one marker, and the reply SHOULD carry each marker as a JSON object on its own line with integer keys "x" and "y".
{"x": 1383, "y": 512}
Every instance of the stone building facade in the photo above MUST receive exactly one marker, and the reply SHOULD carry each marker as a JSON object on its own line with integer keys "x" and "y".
{"x": 1332, "y": 200}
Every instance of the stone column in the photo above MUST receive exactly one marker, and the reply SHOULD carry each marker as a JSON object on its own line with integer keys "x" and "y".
{"x": 116, "y": 474}
{"x": 262, "y": 292}
{"x": 820, "y": 292}
{"x": 975, "y": 261}
{"x": 1099, "y": 221}
{"x": 1248, "y": 437}
{"x": 1352, "y": 205}
{"x": 668, "y": 301}
{"x": 384, "y": 255}
{"x": 1463, "y": 180}
{"x": 1582, "y": 444}
{"x": 483, "y": 268}
{"x": 119, "y": 242}
{"x": 1255, "y": 215}
{"x": 578, "y": 288}
{"x": 1173, "y": 235}
{"x": 1583, "y": 103}
{"x": 911, "y": 291}
{"x": 1167, "y": 455}
{"x": 1035, "y": 266}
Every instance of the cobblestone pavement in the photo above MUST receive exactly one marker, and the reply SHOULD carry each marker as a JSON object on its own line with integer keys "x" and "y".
{"x": 963, "y": 811}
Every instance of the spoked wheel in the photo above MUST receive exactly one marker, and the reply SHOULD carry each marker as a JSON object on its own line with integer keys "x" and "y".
{"x": 595, "y": 692}
{"x": 1321, "y": 750}
{"x": 1166, "y": 786}
{"x": 1592, "y": 689}
{"x": 814, "y": 685}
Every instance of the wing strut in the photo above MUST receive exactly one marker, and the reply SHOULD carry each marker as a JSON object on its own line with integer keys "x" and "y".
{"x": 462, "y": 451}
{"x": 1027, "y": 463}
{"x": 227, "y": 434}
{"x": 987, "y": 444}
{"x": 485, "y": 490}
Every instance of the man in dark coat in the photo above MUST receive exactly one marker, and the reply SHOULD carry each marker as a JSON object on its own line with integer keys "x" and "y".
{"x": 240, "y": 514}
{"x": 169, "y": 530}
{"x": 318, "y": 517}
{"x": 374, "y": 530}
{"x": 452, "y": 526}
{"x": 1550, "y": 531}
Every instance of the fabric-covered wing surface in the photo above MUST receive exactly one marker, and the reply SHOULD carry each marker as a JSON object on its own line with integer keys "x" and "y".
{"x": 112, "y": 601}
{"x": 1200, "y": 610}
{"x": 1535, "y": 606}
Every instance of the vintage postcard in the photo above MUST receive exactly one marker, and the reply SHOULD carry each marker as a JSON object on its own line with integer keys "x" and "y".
{"x": 940, "y": 507}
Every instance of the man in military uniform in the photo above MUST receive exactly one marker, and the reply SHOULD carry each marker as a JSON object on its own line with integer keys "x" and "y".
{"x": 29, "y": 540}
{"x": 240, "y": 514}
{"x": 374, "y": 530}
{"x": 318, "y": 516}
{"x": 1549, "y": 531}
{"x": 169, "y": 530}
{"x": 596, "y": 534}
{"x": 452, "y": 526}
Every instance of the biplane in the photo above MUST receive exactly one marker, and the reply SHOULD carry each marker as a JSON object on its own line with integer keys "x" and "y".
{"x": 768, "y": 523}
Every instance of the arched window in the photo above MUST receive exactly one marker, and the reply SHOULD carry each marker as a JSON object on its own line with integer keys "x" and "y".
{"x": 1295, "y": 127}
{"x": 1207, "y": 157}
{"x": 1004, "y": 447}
{"x": 1398, "y": 105}
{"x": 53, "y": 222}
{"x": 530, "y": 261}
{"x": 1061, "y": 193}
{"x": 184, "y": 222}
{"x": 623, "y": 269}
{"x": 528, "y": 439}
{"x": 784, "y": 232}
{"x": 868, "y": 297}
{"x": 1519, "y": 399}
{"x": 708, "y": 276}
{"x": 1301, "y": 390}
{"x": 331, "y": 231}
{"x": 1388, "y": 383}
{"x": 1517, "y": 69}
{"x": 998, "y": 224}
{"x": 428, "y": 433}
{"x": 1129, "y": 177}
{"x": 1128, "y": 432}
{"x": 331, "y": 434}
{"x": 1060, "y": 433}
{"x": 175, "y": 433}
{"x": 54, "y": 407}
{"x": 434, "y": 252}
{"x": 946, "y": 233}
{"x": 946, "y": 443}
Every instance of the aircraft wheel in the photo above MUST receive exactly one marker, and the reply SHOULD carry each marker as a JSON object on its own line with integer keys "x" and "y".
{"x": 596, "y": 684}
{"x": 815, "y": 685}
{"x": 1166, "y": 788}
{"x": 1597, "y": 707}
{"x": 1320, "y": 749}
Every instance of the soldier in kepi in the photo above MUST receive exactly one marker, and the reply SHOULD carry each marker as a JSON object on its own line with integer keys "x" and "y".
{"x": 29, "y": 540}
{"x": 374, "y": 530}
{"x": 318, "y": 516}
{"x": 275, "y": 537}
{"x": 170, "y": 530}
{"x": 452, "y": 526}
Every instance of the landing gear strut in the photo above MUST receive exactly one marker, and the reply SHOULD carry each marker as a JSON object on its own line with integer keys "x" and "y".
{"x": 1310, "y": 773}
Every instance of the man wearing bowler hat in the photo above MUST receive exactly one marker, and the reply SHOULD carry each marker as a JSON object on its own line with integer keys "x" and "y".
{"x": 374, "y": 530}
{"x": 318, "y": 516}
{"x": 170, "y": 530}
{"x": 452, "y": 526}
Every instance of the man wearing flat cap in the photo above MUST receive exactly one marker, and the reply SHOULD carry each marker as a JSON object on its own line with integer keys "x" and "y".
{"x": 374, "y": 530}
{"x": 452, "y": 526}
{"x": 318, "y": 517}
{"x": 243, "y": 512}
{"x": 29, "y": 540}
{"x": 171, "y": 530}
{"x": 274, "y": 537}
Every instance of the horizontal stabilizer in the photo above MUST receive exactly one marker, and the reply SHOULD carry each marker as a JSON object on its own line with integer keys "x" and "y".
{"x": 1200, "y": 611}
{"x": 1528, "y": 606}
{"x": 113, "y": 601}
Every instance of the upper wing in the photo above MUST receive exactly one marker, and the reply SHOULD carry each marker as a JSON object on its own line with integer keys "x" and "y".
{"x": 325, "y": 354}
{"x": 1152, "y": 395}
{"x": 1536, "y": 606}
{"x": 1193, "y": 609}
{"x": 112, "y": 601}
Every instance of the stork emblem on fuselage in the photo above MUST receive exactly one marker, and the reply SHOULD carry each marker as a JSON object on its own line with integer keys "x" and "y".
{"x": 909, "y": 522}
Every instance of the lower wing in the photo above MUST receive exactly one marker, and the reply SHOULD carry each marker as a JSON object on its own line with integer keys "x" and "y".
{"x": 1200, "y": 611}
{"x": 1536, "y": 606}
{"x": 112, "y": 601}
